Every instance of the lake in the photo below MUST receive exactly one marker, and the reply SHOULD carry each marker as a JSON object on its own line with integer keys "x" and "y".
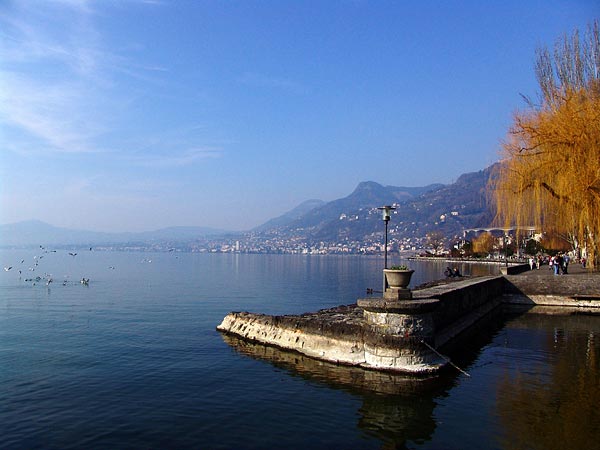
{"x": 133, "y": 360}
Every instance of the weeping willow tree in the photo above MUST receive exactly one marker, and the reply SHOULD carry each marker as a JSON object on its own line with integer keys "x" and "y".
{"x": 550, "y": 176}
{"x": 483, "y": 244}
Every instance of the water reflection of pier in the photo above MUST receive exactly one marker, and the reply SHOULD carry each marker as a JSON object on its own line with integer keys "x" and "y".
{"x": 389, "y": 408}
{"x": 543, "y": 369}
{"x": 396, "y": 408}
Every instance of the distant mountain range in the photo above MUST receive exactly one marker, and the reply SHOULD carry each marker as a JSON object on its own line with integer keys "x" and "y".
{"x": 290, "y": 216}
{"x": 35, "y": 232}
{"x": 419, "y": 210}
{"x": 326, "y": 222}
{"x": 448, "y": 209}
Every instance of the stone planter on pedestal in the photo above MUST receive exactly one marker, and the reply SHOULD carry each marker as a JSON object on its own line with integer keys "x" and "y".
{"x": 397, "y": 281}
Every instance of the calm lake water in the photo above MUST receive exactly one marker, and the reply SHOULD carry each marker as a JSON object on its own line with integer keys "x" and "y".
{"x": 133, "y": 360}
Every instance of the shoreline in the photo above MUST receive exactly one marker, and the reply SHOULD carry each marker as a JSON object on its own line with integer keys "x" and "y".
{"x": 499, "y": 262}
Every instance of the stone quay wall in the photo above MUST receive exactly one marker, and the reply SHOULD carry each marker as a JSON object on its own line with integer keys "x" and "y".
{"x": 460, "y": 305}
{"x": 376, "y": 333}
{"x": 338, "y": 335}
{"x": 403, "y": 335}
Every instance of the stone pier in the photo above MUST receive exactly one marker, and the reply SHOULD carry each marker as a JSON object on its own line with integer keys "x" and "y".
{"x": 402, "y": 335}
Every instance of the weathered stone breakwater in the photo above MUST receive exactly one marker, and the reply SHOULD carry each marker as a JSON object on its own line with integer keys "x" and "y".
{"x": 404, "y": 335}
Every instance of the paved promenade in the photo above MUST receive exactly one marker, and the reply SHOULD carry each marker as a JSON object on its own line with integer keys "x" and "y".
{"x": 577, "y": 284}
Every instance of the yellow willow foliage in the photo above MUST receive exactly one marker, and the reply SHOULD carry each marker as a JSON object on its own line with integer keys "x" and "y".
{"x": 484, "y": 243}
{"x": 550, "y": 176}
{"x": 555, "y": 242}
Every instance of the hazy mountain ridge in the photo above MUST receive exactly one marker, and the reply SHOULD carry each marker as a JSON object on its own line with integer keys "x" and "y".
{"x": 288, "y": 217}
{"x": 35, "y": 232}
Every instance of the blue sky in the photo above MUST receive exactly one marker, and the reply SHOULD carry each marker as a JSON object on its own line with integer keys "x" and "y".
{"x": 131, "y": 115}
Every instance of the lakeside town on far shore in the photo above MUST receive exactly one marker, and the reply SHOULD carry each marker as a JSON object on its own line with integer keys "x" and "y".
{"x": 407, "y": 248}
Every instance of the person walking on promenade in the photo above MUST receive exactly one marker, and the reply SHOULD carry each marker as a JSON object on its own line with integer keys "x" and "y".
{"x": 558, "y": 264}
{"x": 565, "y": 264}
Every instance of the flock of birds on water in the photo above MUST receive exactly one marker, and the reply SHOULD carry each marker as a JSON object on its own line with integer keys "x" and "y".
{"x": 47, "y": 278}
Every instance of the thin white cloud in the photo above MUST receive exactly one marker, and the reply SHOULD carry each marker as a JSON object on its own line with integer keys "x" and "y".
{"x": 181, "y": 159}
{"x": 57, "y": 79}
{"x": 37, "y": 34}
{"x": 83, "y": 5}
{"x": 150, "y": 2}
{"x": 264, "y": 81}
{"x": 63, "y": 91}
{"x": 49, "y": 74}
{"x": 109, "y": 185}
{"x": 53, "y": 114}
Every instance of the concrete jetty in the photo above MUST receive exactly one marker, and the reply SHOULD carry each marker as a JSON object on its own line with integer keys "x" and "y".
{"x": 406, "y": 335}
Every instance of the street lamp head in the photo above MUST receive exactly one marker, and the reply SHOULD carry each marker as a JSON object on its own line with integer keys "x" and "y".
{"x": 386, "y": 212}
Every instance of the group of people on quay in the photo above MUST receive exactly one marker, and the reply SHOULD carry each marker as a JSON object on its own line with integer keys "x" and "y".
{"x": 535, "y": 262}
{"x": 558, "y": 263}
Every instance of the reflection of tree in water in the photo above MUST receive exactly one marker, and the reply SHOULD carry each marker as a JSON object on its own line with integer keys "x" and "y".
{"x": 556, "y": 406}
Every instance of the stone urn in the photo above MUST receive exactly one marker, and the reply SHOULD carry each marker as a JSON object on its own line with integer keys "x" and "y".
{"x": 398, "y": 278}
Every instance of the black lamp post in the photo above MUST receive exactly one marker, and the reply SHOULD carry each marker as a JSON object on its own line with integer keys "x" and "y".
{"x": 506, "y": 250}
{"x": 386, "y": 218}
